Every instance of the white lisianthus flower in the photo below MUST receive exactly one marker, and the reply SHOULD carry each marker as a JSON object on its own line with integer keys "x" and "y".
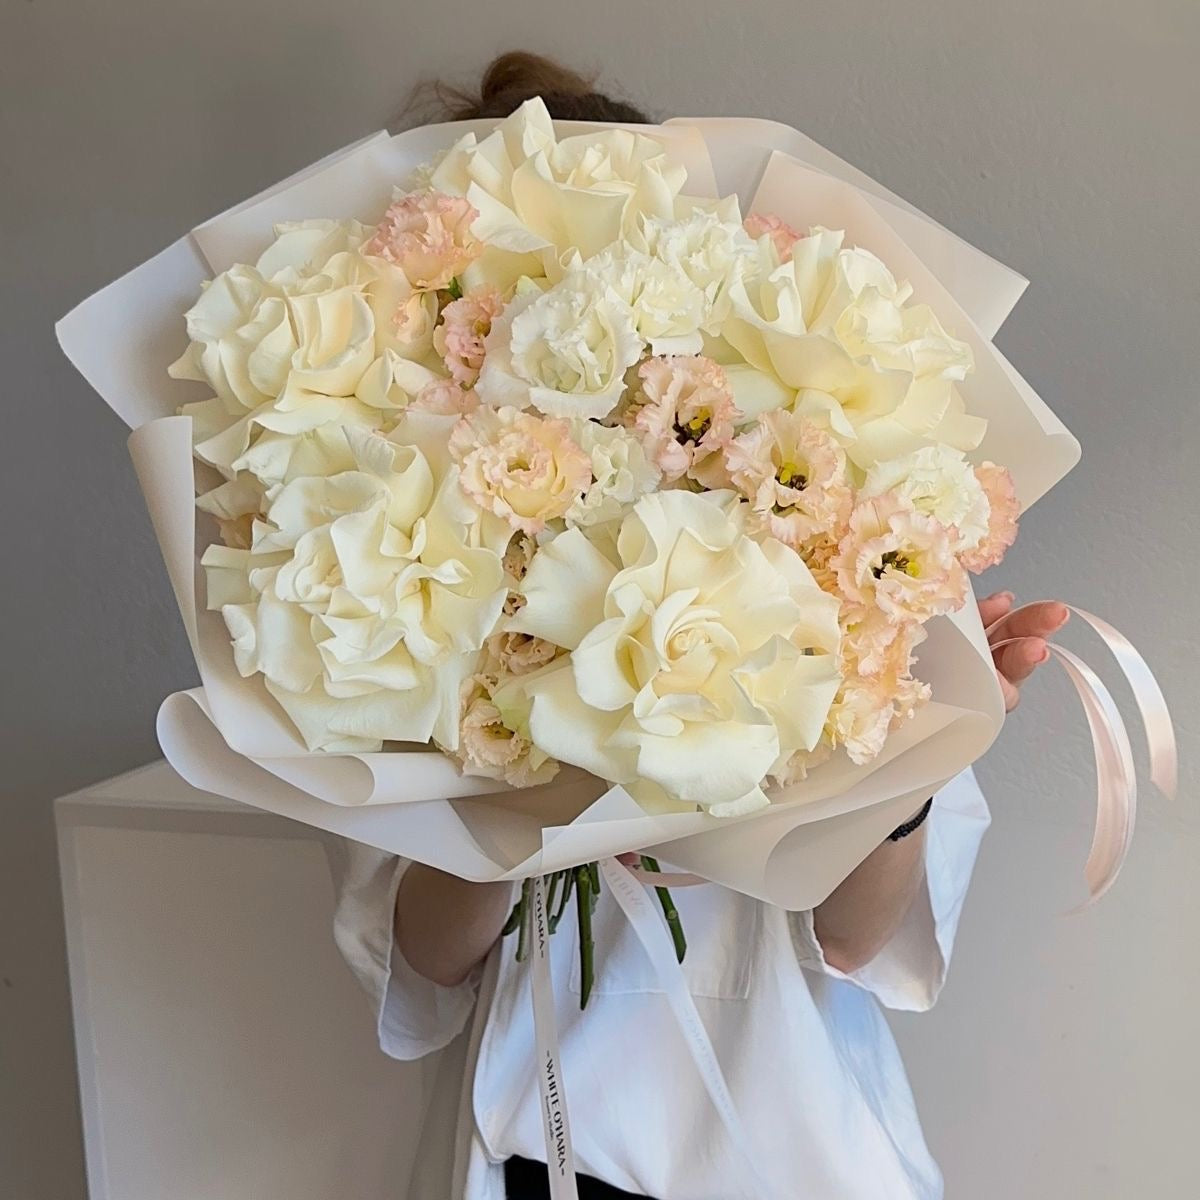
{"x": 621, "y": 473}
{"x": 940, "y": 482}
{"x": 366, "y": 595}
{"x": 669, "y": 309}
{"x": 834, "y": 326}
{"x": 712, "y": 251}
{"x": 564, "y": 351}
{"x": 699, "y": 659}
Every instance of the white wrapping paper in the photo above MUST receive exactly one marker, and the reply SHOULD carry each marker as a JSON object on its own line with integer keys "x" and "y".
{"x": 229, "y": 737}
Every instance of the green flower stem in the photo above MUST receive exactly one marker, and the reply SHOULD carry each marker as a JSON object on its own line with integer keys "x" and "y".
{"x": 584, "y": 902}
{"x": 514, "y": 918}
{"x": 669, "y": 910}
{"x": 568, "y": 882}
{"x": 526, "y": 908}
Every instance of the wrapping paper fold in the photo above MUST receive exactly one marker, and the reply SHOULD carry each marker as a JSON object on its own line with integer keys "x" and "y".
{"x": 229, "y": 737}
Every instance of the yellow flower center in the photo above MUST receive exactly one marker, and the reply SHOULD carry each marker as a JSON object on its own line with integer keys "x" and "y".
{"x": 897, "y": 561}
{"x": 694, "y": 429}
{"x": 791, "y": 476}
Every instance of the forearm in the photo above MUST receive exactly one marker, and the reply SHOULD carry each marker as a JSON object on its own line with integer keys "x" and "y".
{"x": 862, "y": 913}
{"x": 445, "y": 926}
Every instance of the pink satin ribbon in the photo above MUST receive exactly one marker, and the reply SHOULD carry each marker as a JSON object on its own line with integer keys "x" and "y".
{"x": 1116, "y": 774}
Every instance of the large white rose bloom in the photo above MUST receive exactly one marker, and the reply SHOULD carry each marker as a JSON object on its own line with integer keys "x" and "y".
{"x": 315, "y": 333}
{"x": 835, "y": 327}
{"x": 366, "y": 594}
{"x": 700, "y": 660}
{"x": 539, "y": 197}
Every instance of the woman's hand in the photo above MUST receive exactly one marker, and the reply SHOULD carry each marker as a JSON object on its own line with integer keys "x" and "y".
{"x": 1015, "y": 663}
{"x": 863, "y": 912}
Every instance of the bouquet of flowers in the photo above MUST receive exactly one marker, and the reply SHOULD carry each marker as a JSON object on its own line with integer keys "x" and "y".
{"x": 555, "y": 463}
{"x": 569, "y": 490}
{"x": 566, "y": 490}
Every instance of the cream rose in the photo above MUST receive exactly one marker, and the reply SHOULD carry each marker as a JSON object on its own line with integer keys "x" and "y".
{"x": 836, "y": 328}
{"x": 313, "y": 334}
{"x": 539, "y": 198}
{"x": 699, "y": 659}
{"x": 366, "y": 595}
{"x": 564, "y": 351}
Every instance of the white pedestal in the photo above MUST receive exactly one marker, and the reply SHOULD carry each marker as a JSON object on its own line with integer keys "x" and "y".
{"x": 225, "y": 1052}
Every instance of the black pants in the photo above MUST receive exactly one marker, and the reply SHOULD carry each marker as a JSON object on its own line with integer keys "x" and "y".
{"x": 526, "y": 1180}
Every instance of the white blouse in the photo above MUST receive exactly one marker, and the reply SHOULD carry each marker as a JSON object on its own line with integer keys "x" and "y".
{"x": 809, "y": 1059}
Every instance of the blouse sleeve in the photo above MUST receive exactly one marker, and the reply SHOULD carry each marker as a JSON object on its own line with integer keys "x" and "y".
{"x": 414, "y": 1015}
{"x": 909, "y": 971}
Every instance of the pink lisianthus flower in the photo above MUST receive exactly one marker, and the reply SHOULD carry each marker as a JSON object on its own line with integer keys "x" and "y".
{"x": 859, "y": 720}
{"x": 508, "y": 654}
{"x": 464, "y": 325}
{"x": 428, "y": 236}
{"x": 819, "y": 556}
{"x": 1003, "y": 511}
{"x": 488, "y": 747}
{"x": 524, "y": 468}
{"x": 900, "y": 561}
{"x": 445, "y": 398}
{"x": 685, "y": 417}
{"x": 879, "y": 693}
{"x": 794, "y": 475}
{"x": 783, "y": 236}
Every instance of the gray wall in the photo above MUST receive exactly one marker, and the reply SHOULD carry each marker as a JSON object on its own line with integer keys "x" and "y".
{"x": 1058, "y": 134}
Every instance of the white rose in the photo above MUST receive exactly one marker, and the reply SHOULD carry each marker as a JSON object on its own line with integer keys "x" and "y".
{"x": 700, "y": 660}
{"x": 366, "y": 595}
{"x": 940, "y": 482}
{"x": 539, "y": 198}
{"x": 833, "y": 325}
{"x": 621, "y": 473}
{"x": 564, "y": 351}
{"x": 287, "y": 343}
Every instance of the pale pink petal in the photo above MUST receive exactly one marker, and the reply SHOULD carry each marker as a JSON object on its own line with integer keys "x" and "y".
{"x": 1003, "y": 511}
{"x": 685, "y": 416}
{"x": 428, "y": 236}
{"x": 783, "y": 236}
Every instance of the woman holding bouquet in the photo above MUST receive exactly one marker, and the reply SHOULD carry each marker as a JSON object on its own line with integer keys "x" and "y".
{"x": 788, "y": 998}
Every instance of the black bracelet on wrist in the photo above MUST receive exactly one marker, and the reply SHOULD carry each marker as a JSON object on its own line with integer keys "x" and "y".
{"x": 912, "y": 824}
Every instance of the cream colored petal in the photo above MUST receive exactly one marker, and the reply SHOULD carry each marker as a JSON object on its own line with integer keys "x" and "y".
{"x": 597, "y": 664}
{"x": 565, "y": 728}
{"x": 710, "y": 762}
{"x": 569, "y": 566}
